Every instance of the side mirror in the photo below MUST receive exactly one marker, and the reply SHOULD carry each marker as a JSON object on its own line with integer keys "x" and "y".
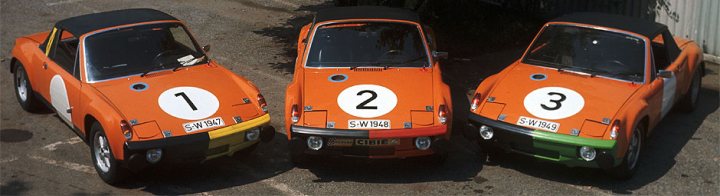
{"x": 206, "y": 48}
{"x": 664, "y": 74}
{"x": 440, "y": 55}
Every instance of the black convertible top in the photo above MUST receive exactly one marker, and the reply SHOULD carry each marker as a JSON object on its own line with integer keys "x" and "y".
{"x": 366, "y": 12}
{"x": 640, "y": 26}
{"x": 80, "y": 25}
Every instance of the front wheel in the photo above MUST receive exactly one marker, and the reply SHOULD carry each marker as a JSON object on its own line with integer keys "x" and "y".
{"x": 628, "y": 166}
{"x": 105, "y": 163}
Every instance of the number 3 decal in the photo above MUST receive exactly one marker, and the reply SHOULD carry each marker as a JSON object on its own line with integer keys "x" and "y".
{"x": 553, "y": 103}
{"x": 367, "y": 100}
{"x": 558, "y": 102}
{"x": 363, "y": 105}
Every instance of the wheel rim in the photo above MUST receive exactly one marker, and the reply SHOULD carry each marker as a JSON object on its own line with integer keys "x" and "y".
{"x": 21, "y": 84}
{"x": 634, "y": 148}
{"x": 102, "y": 153}
{"x": 695, "y": 89}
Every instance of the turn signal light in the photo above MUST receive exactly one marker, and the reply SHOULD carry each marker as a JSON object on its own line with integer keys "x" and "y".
{"x": 262, "y": 102}
{"x": 126, "y": 129}
{"x": 442, "y": 114}
{"x": 475, "y": 102}
{"x": 614, "y": 129}
{"x": 295, "y": 114}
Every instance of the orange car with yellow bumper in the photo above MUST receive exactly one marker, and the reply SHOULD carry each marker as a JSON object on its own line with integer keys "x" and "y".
{"x": 139, "y": 90}
{"x": 587, "y": 92}
{"x": 367, "y": 83}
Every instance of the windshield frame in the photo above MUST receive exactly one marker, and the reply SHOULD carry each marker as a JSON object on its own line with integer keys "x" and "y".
{"x": 644, "y": 39}
{"x": 316, "y": 26}
{"x": 86, "y": 64}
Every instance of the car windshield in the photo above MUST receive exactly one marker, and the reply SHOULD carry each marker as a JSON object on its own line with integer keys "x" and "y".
{"x": 140, "y": 49}
{"x": 382, "y": 44}
{"x": 587, "y": 50}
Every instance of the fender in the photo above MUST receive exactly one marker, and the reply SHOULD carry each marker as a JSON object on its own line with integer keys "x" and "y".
{"x": 443, "y": 97}
{"x": 633, "y": 113}
{"x": 109, "y": 117}
{"x": 293, "y": 96}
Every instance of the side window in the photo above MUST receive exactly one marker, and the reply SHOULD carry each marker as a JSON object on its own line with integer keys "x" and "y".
{"x": 64, "y": 52}
{"x": 660, "y": 54}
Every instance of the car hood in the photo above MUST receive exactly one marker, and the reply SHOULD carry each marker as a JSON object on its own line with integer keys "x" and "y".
{"x": 402, "y": 95}
{"x": 212, "y": 90}
{"x": 586, "y": 104}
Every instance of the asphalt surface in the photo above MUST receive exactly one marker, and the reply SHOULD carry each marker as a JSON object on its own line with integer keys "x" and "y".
{"x": 39, "y": 155}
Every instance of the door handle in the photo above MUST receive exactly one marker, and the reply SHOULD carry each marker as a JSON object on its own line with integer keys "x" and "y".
{"x": 69, "y": 110}
{"x": 44, "y": 65}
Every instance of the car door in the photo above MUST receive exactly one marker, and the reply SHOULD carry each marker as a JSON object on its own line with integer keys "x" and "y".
{"x": 62, "y": 68}
{"x": 665, "y": 57}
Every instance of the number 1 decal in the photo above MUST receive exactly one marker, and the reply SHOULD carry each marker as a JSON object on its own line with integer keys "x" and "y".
{"x": 192, "y": 105}
{"x": 363, "y": 105}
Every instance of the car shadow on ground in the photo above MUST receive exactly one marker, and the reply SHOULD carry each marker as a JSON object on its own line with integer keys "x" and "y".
{"x": 265, "y": 162}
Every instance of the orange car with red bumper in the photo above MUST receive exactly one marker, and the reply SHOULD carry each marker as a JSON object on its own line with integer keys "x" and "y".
{"x": 587, "y": 92}
{"x": 367, "y": 83}
{"x": 139, "y": 90}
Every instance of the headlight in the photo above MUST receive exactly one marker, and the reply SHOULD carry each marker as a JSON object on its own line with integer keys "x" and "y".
{"x": 486, "y": 132}
{"x": 422, "y": 143}
{"x": 153, "y": 155}
{"x": 252, "y": 134}
{"x": 314, "y": 142}
{"x": 587, "y": 153}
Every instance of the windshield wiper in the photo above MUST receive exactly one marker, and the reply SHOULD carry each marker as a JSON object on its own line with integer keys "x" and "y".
{"x": 151, "y": 70}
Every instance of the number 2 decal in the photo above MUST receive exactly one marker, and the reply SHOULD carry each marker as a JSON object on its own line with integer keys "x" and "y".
{"x": 557, "y": 102}
{"x": 363, "y": 105}
{"x": 192, "y": 105}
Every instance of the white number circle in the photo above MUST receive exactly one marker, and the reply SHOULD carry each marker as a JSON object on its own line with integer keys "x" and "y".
{"x": 189, "y": 103}
{"x": 367, "y": 100}
{"x": 554, "y": 103}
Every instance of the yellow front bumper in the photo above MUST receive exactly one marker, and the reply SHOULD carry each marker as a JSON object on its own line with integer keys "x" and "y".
{"x": 230, "y": 139}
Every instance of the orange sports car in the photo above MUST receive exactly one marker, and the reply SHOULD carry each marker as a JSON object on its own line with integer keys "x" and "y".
{"x": 139, "y": 90}
{"x": 367, "y": 83}
{"x": 587, "y": 92}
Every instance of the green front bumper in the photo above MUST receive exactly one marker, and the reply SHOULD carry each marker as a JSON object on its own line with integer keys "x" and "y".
{"x": 560, "y": 148}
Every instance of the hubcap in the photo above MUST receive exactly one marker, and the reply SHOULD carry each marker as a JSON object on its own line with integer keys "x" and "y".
{"x": 634, "y": 149}
{"x": 21, "y": 84}
{"x": 102, "y": 153}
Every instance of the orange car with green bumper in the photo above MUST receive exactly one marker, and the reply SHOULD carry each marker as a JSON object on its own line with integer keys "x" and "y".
{"x": 587, "y": 92}
{"x": 367, "y": 83}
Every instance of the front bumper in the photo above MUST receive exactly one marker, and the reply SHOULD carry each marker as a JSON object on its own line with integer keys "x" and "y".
{"x": 404, "y": 148}
{"x": 560, "y": 148}
{"x": 199, "y": 147}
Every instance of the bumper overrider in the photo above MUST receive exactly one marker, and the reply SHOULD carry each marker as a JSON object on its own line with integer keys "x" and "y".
{"x": 198, "y": 147}
{"x": 560, "y": 148}
{"x": 384, "y": 143}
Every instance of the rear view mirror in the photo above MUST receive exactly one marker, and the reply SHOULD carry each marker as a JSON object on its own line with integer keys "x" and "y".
{"x": 206, "y": 48}
{"x": 440, "y": 55}
{"x": 664, "y": 74}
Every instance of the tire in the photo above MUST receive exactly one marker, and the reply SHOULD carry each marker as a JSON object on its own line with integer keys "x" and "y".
{"x": 24, "y": 92}
{"x": 107, "y": 167}
{"x": 438, "y": 159}
{"x": 629, "y": 163}
{"x": 298, "y": 158}
{"x": 691, "y": 98}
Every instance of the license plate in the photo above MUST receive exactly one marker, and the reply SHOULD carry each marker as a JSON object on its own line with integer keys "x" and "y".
{"x": 203, "y": 124}
{"x": 361, "y": 142}
{"x": 538, "y": 124}
{"x": 368, "y": 124}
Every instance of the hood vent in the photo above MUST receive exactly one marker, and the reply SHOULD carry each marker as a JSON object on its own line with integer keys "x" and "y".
{"x": 375, "y": 69}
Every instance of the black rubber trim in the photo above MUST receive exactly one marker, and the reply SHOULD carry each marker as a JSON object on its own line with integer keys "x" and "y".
{"x": 478, "y": 120}
{"x": 331, "y": 132}
{"x": 166, "y": 142}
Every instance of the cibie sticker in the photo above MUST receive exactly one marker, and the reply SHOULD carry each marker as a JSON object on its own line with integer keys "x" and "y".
{"x": 554, "y": 103}
{"x": 367, "y": 100}
{"x": 189, "y": 103}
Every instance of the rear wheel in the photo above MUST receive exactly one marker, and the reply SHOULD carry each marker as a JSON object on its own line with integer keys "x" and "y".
{"x": 24, "y": 91}
{"x": 629, "y": 163}
{"x": 691, "y": 98}
{"x": 105, "y": 163}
